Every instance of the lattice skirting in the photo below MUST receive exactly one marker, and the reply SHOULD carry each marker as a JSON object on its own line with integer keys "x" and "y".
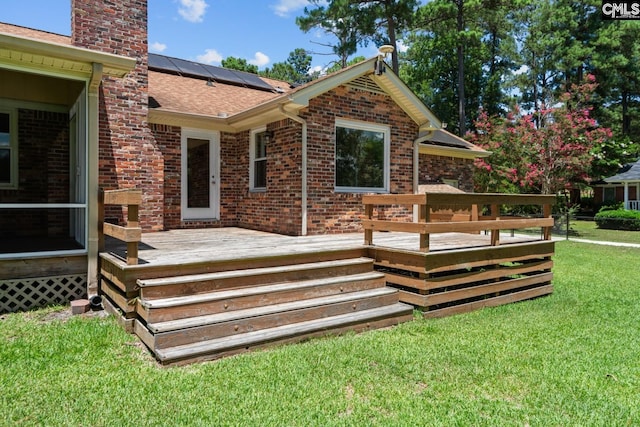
{"x": 25, "y": 294}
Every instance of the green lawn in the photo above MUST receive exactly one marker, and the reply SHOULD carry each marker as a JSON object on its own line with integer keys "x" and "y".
{"x": 588, "y": 230}
{"x": 569, "y": 359}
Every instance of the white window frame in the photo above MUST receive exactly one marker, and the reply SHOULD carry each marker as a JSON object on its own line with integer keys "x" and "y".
{"x": 253, "y": 160}
{"x": 366, "y": 126}
{"x": 13, "y": 149}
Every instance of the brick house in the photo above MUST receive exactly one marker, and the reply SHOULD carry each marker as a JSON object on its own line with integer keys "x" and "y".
{"x": 209, "y": 147}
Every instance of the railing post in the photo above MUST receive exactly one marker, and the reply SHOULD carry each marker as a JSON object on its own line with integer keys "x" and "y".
{"x": 368, "y": 233}
{"x": 495, "y": 234}
{"x": 546, "y": 212}
{"x": 132, "y": 247}
{"x": 101, "y": 243}
{"x": 424, "y": 216}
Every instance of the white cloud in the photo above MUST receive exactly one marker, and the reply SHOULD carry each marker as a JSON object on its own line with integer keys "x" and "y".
{"x": 192, "y": 10}
{"x": 523, "y": 69}
{"x": 157, "y": 47}
{"x": 260, "y": 59}
{"x": 402, "y": 48}
{"x": 211, "y": 56}
{"x": 284, "y": 7}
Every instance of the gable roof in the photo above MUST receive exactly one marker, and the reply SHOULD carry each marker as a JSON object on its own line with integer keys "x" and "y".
{"x": 243, "y": 108}
{"x": 628, "y": 174}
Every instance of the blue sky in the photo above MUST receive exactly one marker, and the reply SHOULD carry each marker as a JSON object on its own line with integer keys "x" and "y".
{"x": 260, "y": 31}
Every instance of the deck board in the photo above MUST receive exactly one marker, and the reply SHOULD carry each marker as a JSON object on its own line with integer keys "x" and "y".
{"x": 176, "y": 247}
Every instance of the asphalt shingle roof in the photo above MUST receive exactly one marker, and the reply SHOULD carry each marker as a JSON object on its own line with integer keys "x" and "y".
{"x": 632, "y": 174}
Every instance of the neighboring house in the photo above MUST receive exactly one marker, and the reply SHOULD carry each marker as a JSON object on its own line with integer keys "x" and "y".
{"x": 623, "y": 187}
{"x": 209, "y": 147}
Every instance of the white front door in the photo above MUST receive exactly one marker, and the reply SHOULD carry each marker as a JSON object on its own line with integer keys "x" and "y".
{"x": 200, "y": 172}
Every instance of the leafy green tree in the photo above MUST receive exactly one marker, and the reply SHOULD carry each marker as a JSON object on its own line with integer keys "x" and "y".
{"x": 352, "y": 61}
{"x": 294, "y": 70}
{"x": 239, "y": 64}
{"x": 444, "y": 65}
{"x": 338, "y": 18}
{"x": 383, "y": 21}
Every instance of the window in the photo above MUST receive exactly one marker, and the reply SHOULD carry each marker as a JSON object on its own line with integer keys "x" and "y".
{"x": 258, "y": 160}
{"x": 362, "y": 157}
{"x": 8, "y": 150}
{"x": 609, "y": 194}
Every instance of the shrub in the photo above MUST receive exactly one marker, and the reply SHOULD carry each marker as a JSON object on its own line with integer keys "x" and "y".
{"x": 618, "y": 220}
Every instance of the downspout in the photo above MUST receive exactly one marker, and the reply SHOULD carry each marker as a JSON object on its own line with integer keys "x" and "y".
{"x": 304, "y": 196}
{"x": 93, "y": 105}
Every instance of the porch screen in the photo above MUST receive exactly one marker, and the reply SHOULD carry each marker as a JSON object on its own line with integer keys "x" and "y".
{"x": 5, "y": 149}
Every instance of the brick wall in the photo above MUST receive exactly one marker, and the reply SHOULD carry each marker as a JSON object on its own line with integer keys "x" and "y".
{"x": 436, "y": 168}
{"x": 129, "y": 155}
{"x": 277, "y": 209}
{"x": 43, "y": 176}
{"x": 331, "y": 212}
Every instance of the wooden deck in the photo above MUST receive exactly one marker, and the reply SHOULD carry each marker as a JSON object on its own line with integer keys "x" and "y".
{"x": 193, "y": 295}
{"x": 179, "y": 247}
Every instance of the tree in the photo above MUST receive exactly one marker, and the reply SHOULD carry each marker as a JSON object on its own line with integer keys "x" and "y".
{"x": 358, "y": 22}
{"x": 294, "y": 70}
{"x": 339, "y": 18}
{"x": 382, "y": 21}
{"x": 444, "y": 65}
{"x": 544, "y": 151}
{"x": 239, "y": 64}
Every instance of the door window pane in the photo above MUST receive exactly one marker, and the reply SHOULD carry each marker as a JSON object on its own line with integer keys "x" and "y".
{"x": 198, "y": 173}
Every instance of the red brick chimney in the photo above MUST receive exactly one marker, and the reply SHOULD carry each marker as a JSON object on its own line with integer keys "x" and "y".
{"x": 129, "y": 156}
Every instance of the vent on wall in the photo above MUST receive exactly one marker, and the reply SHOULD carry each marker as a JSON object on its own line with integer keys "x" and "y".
{"x": 365, "y": 83}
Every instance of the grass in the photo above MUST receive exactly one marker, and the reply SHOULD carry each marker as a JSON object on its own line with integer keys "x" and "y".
{"x": 588, "y": 230}
{"x": 569, "y": 359}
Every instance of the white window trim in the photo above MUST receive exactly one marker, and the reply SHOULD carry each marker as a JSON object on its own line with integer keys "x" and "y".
{"x": 374, "y": 127}
{"x": 253, "y": 160}
{"x": 13, "y": 149}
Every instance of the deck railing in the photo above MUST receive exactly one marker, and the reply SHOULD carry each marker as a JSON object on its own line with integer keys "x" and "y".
{"x": 131, "y": 234}
{"x": 457, "y": 212}
{"x": 634, "y": 205}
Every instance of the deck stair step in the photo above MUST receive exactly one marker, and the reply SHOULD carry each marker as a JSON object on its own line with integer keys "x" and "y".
{"x": 202, "y": 328}
{"x": 163, "y": 287}
{"x": 196, "y": 317}
{"x": 164, "y": 309}
{"x": 215, "y": 348}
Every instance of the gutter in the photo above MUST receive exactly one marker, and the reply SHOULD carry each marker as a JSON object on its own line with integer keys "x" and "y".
{"x": 303, "y": 202}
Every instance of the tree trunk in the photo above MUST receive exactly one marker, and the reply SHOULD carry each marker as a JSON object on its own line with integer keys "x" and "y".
{"x": 461, "y": 97}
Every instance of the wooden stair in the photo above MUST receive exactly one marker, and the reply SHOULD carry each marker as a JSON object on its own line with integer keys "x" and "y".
{"x": 206, "y": 316}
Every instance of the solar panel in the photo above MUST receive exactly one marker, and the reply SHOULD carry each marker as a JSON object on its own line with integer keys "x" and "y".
{"x": 204, "y": 71}
{"x": 190, "y": 68}
{"x": 222, "y": 74}
{"x": 162, "y": 63}
{"x": 253, "y": 80}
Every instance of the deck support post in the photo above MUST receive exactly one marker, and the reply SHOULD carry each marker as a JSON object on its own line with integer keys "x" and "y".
{"x": 546, "y": 212}
{"x": 424, "y": 217}
{"x": 495, "y": 234}
{"x": 368, "y": 233}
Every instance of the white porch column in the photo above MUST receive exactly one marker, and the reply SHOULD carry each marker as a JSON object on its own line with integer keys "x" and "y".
{"x": 93, "y": 143}
{"x": 626, "y": 195}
